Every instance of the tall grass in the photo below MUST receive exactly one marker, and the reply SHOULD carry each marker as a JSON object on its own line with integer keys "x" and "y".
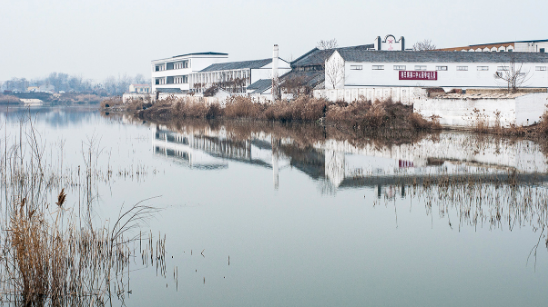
{"x": 54, "y": 254}
{"x": 360, "y": 114}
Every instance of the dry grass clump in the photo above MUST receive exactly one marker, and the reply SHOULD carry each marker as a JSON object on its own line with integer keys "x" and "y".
{"x": 112, "y": 102}
{"x": 542, "y": 126}
{"x": 243, "y": 107}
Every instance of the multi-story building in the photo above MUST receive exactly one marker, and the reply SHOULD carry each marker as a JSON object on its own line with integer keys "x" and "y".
{"x": 173, "y": 74}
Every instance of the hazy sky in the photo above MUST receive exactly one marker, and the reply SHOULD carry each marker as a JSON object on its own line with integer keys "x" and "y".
{"x": 99, "y": 38}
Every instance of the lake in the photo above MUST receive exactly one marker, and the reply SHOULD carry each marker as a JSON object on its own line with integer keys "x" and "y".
{"x": 263, "y": 214}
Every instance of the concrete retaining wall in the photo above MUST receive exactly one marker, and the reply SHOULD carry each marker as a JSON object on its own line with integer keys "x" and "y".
{"x": 466, "y": 112}
{"x": 405, "y": 95}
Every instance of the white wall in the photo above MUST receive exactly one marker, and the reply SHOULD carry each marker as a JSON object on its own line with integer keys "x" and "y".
{"x": 405, "y": 95}
{"x": 449, "y": 79}
{"x": 460, "y": 112}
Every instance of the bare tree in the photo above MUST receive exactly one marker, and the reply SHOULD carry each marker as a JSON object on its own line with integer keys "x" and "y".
{"x": 512, "y": 75}
{"x": 326, "y": 48}
{"x": 334, "y": 70}
{"x": 425, "y": 45}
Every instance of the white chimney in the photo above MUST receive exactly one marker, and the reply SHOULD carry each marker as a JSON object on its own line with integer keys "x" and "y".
{"x": 275, "y": 90}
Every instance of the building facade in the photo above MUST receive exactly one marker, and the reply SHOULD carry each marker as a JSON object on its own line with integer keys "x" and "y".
{"x": 139, "y": 88}
{"x": 173, "y": 74}
{"x": 419, "y": 69}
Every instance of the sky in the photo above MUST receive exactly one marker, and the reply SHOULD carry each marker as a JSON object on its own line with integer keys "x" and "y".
{"x": 97, "y": 39}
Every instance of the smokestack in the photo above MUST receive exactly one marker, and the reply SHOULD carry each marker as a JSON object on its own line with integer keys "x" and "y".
{"x": 275, "y": 89}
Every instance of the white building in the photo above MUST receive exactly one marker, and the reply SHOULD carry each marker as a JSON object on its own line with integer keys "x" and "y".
{"x": 172, "y": 74}
{"x": 352, "y": 69}
{"x": 139, "y": 88}
{"x": 236, "y": 76}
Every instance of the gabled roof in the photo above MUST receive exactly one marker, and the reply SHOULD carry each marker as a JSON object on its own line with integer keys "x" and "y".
{"x": 442, "y": 56}
{"x": 317, "y": 56}
{"x": 306, "y": 78}
{"x": 260, "y": 86}
{"x": 237, "y": 65}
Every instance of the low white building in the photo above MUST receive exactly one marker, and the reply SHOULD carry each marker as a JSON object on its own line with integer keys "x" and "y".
{"x": 173, "y": 74}
{"x": 353, "y": 69}
{"x": 236, "y": 76}
{"x": 139, "y": 88}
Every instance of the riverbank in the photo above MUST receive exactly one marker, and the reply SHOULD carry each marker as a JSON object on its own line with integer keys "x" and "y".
{"x": 360, "y": 115}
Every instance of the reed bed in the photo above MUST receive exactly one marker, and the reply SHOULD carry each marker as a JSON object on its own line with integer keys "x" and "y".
{"x": 54, "y": 254}
{"x": 360, "y": 114}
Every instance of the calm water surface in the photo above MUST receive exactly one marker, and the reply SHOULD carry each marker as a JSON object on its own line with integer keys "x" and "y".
{"x": 263, "y": 217}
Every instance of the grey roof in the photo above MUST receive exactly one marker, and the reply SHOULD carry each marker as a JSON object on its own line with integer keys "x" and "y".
{"x": 201, "y": 53}
{"x": 260, "y": 86}
{"x": 237, "y": 65}
{"x": 442, "y": 56}
{"x": 169, "y": 90}
{"x": 317, "y": 56}
{"x": 307, "y": 78}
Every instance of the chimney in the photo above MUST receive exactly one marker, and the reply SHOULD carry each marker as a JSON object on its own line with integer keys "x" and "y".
{"x": 275, "y": 89}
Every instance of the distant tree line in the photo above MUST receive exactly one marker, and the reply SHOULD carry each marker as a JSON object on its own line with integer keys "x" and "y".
{"x": 61, "y": 82}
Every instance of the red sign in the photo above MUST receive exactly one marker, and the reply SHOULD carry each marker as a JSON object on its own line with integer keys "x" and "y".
{"x": 419, "y": 75}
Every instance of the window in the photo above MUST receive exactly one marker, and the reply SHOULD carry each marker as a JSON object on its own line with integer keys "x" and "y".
{"x": 356, "y": 67}
{"x": 160, "y": 81}
{"x": 483, "y": 68}
{"x": 510, "y": 50}
{"x": 378, "y": 67}
{"x": 159, "y": 67}
{"x": 420, "y": 67}
{"x": 542, "y": 50}
{"x": 441, "y": 68}
{"x": 399, "y": 67}
{"x": 503, "y": 68}
{"x": 462, "y": 68}
{"x": 540, "y": 68}
{"x": 185, "y": 64}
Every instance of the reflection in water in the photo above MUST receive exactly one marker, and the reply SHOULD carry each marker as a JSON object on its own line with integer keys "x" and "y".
{"x": 473, "y": 182}
{"x": 352, "y": 219}
{"x": 346, "y": 165}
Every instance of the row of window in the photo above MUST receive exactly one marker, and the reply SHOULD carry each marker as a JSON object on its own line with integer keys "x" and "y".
{"x": 181, "y": 80}
{"x": 180, "y": 65}
{"x": 440, "y": 68}
{"x": 160, "y": 81}
{"x": 160, "y": 67}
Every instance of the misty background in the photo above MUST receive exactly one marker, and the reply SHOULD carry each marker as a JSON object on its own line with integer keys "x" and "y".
{"x": 116, "y": 40}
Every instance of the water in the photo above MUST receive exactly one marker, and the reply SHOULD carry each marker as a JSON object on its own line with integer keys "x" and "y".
{"x": 261, "y": 215}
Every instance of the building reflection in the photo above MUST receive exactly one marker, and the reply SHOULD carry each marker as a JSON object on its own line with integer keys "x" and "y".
{"x": 342, "y": 165}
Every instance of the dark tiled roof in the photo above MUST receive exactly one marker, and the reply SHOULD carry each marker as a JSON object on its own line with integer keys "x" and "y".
{"x": 169, "y": 90}
{"x": 317, "y": 56}
{"x": 307, "y": 78}
{"x": 201, "y": 53}
{"x": 442, "y": 56}
{"x": 260, "y": 85}
{"x": 237, "y": 65}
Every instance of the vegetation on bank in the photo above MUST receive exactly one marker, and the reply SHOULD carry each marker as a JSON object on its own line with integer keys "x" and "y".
{"x": 52, "y": 99}
{"x": 360, "y": 114}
